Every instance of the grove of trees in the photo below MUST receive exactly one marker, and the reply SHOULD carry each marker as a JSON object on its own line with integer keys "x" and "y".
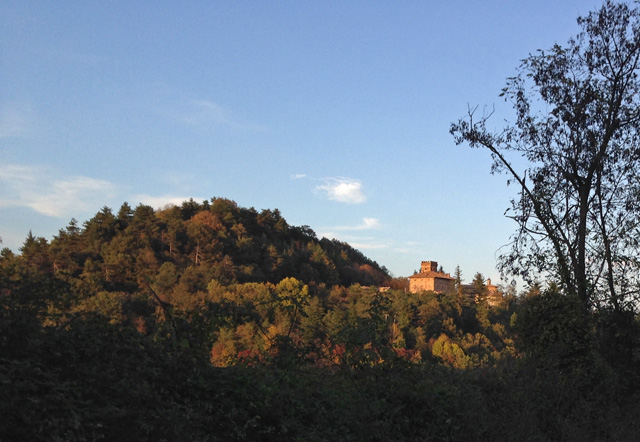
{"x": 212, "y": 322}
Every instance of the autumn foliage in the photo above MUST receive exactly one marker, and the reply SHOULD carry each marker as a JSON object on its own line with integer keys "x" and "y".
{"x": 214, "y": 322}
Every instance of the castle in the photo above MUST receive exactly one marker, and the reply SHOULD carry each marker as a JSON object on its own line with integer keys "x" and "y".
{"x": 430, "y": 278}
{"x": 433, "y": 279}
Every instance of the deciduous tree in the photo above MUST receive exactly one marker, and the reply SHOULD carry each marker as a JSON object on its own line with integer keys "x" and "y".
{"x": 577, "y": 129}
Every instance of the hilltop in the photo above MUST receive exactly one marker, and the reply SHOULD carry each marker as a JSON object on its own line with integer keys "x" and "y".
{"x": 214, "y": 239}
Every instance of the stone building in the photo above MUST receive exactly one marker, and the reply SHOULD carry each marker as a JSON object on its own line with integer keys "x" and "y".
{"x": 494, "y": 295}
{"x": 430, "y": 278}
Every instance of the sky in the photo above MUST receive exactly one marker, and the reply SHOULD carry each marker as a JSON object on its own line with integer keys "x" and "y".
{"x": 337, "y": 113}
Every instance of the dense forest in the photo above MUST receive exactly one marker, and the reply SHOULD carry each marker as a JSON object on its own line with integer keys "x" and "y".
{"x": 212, "y": 322}
{"x": 208, "y": 321}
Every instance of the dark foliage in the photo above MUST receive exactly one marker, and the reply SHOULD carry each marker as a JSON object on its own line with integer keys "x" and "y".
{"x": 90, "y": 380}
{"x": 139, "y": 327}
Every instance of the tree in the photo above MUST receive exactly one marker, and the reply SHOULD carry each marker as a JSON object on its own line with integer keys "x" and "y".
{"x": 65, "y": 250}
{"x": 311, "y": 323}
{"x": 457, "y": 283}
{"x": 292, "y": 293}
{"x": 482, "y": 306}
{"x": 577, "y": 127}
{"x": 480, "y": 288}
{"x": 551, "y": 331}
{"x": 35, "y": 252}
{"x": 125, "y": 214}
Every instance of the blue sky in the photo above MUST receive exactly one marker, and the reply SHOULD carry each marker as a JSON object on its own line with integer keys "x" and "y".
{"x": 335, "y": 113}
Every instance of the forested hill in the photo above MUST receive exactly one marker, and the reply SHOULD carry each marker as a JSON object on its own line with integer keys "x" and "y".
{"x": 213, "y": 322}
{"x": 193, "y": 244}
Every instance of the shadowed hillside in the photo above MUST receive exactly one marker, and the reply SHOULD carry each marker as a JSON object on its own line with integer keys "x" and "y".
{"x": 213, "y": 322}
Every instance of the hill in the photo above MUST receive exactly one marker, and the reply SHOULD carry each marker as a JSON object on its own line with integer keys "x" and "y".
{"x": 214, "y": 239}
{"x": 213, "y": 322}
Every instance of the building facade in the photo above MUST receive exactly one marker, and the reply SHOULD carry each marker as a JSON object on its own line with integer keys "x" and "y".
{"x": 494, "y": 295}
{"x": 430, "y": 279}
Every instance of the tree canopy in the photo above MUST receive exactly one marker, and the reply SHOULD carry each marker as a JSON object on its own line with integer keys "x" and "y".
{"x": 208, "y": 321}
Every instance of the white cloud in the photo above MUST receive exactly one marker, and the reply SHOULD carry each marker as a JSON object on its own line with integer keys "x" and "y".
{"x": 337, "y": 231}
{"x": 359, "y": 242}
{"x": 356, "y": 240}
{"x": 160, "y": 201}
{"x": 298, "y": 176}
{"x": 35, "y": 188}
{"x": 367, "y": 224}
{"x": 344, "y": 190}
{"x": 368, "y": 245}
{"x": 38, "y": 189}
{"x": 16, "y": 172}
{"x": 69, "y": 195}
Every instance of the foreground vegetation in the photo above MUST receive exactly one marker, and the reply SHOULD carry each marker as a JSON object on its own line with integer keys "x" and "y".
{"x": 96, "y": 381}
{"x": 92, "y": 380}
{"x": 120, "y": 330}
{"x": 210, "y": 322}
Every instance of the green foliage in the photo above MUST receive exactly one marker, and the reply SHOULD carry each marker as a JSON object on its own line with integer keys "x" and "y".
{"x": 291, "y": 292}
{"x": 107, "y": 304}
{"x": 127, "y": 337}
{"x": 554, "y": 330}
{"x": 450, "y": 353}
{"x": 89, "y": 380}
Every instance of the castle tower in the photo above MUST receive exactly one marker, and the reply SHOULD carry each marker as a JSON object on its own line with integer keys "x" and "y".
{"x": 428, "y": 266}
{"x": 430, "y": 279}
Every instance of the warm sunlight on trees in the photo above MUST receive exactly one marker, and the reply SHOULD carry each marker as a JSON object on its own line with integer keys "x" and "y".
{"x": 116, "y": 322}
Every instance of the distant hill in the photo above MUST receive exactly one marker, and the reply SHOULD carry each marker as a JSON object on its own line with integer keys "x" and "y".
{"x": 195, "y": 243}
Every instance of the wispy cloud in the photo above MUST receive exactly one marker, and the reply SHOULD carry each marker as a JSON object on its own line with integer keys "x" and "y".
{"x": 355, "y": 239}
{"x": 203, "y": 112}
{"x": 363, "y": 242}
{"x": 15, "y": 173}
{"x": 298, "y": 176}
{"x": 367, "y": 224}
{"x": 408, "y": 247}
{"x": 15, "y": 119}
{"x": 37, "y": 189}
{"x": 368, "y": 245}
{"x": 344, "y": 190}
{"x": 158, "y": 202}
{"x": 199, "y": 113}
